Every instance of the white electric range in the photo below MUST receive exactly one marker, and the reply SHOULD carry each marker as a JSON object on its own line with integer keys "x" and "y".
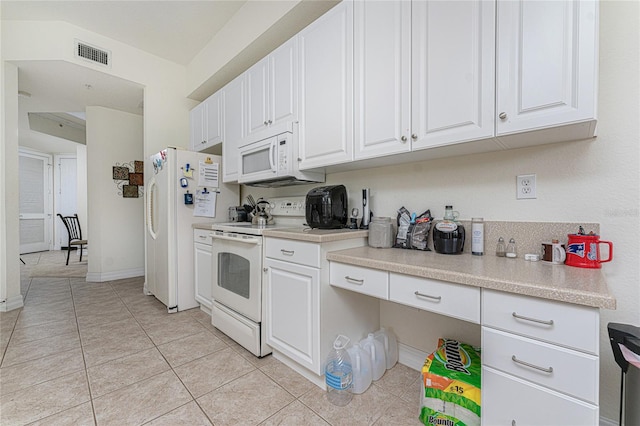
{"x": 238, "y": 256}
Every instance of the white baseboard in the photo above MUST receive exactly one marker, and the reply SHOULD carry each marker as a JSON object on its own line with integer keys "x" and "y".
{"x": 100, "y": 277}
{"x": 11, "y": 303}
{"x": 411, "y": 357}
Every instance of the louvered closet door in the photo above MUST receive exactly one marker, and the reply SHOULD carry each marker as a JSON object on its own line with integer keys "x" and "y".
{"x": 35, "y": 202}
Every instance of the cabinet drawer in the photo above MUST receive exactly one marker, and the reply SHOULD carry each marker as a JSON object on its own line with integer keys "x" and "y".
{"x": 363, "y": 280}
{"x": 299, "y": 252}
{"x": 454, "y": 300}
{"x": 508, "y": 400}
{"x": 568, "y": 325}
{"x": 571, "y": 372}
{"x": 202, "y": 236}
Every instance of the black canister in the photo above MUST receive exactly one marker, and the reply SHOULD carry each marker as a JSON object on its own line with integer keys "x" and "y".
{"x": 448, "y": 237}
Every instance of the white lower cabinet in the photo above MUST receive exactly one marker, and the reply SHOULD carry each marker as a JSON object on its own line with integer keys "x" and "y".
{"x": 304, "y": 314}
{"x": 534, "y": 372}
{"x": 510, "y": 401}
{"x": 202, "y": 259}
{"x": 293, "y": 300}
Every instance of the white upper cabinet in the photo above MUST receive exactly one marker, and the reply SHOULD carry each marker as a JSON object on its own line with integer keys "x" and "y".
{"x": 382, "y": 65}
{"x": 326, "y": 89}
{"x": 547, "y": 64}
{"x": 197, "y": 124}
{"x": 453, "y": 71}
{"x": 233, "y": 99}
{"x": 206, "y": 123}
{"x": 272, "y": 96}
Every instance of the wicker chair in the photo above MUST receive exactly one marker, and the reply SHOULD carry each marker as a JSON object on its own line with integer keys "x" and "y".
{"x": 75, "y": 233}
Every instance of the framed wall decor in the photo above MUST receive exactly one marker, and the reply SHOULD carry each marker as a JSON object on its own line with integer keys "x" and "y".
{"x": 129, "y": 179}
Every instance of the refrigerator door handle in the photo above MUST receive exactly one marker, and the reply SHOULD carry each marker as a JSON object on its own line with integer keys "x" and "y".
{"x": 151, "y": 225}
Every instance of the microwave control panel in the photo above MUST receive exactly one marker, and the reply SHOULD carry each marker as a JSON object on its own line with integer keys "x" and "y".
{"x": 283, "y": 155}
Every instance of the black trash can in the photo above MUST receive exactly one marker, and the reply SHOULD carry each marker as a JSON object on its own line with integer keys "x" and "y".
{"x": 626, "y": 337}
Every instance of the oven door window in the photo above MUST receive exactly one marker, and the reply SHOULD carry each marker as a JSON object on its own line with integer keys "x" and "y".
{"x": 234, "y": 274}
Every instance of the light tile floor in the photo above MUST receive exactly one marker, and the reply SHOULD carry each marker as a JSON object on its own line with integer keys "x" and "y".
{"x": 83, "y": 353}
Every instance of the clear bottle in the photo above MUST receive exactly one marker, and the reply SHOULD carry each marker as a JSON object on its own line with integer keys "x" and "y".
{"x": 450, "y": 214}
{"x": 477, "y": 236}
{"x": 338, "y": 373}
{"x": 512, "y": 250}
{"x": 501, "y": 249}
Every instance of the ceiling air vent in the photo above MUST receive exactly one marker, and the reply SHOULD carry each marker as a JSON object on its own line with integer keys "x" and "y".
{"x": 93, "y": 54}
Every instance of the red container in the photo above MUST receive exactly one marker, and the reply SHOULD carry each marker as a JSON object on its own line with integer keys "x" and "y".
{"x": 583, "y": 251}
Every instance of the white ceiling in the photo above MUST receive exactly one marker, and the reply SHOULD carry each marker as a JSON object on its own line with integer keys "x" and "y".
{"x": 174, "y": 30}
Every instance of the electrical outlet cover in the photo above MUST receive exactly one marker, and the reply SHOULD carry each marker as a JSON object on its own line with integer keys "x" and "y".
{"x": 526, "y": 187}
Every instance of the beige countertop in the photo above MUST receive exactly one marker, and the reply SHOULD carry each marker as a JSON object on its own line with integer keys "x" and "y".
{"x": 539, "y": 279}
{"x": 316, "y": 235}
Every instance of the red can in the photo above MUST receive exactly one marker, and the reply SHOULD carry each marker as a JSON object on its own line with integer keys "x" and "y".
{"x": 583, "y": 251}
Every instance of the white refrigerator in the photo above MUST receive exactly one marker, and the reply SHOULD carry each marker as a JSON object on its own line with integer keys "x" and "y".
{"x": 177, "y": 179}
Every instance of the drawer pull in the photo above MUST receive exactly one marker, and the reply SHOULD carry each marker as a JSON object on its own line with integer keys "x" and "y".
{"x": 287, "y": 252}
{"x": 549, "y": 322}
{"x": 354, "y": 280}
{"x": 426, "y": 296}
{"x": 526, "y": 364}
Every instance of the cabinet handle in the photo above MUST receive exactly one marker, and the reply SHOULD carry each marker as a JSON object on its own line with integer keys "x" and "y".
{"x": 539, "y": 321}
{"x": 354, "y": 280}
{"x": 265, "y": 122}
{"x": 513, "y": 423}
{"x": 202, "y": 237}
{"x": 436, "y": 298}
{"x": 526, "y": 364}
{"x": 403, "y": 139}
{"x": 270, "y": 122}
{"x": 265, "y": 269}
{"x": 287, "y": 252}
{"x": 503, "y": 116}
{"x": 414, "y": 136}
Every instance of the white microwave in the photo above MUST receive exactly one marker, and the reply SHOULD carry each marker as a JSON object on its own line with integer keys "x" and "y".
{"x": 273, "y": 162}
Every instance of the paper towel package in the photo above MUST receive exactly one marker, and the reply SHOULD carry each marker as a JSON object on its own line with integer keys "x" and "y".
{"x": 451, "y": 379}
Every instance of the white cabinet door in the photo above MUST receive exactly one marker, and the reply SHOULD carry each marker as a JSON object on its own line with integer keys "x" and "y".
{"x": 272, "y": 90}
{"x": 326, "y": 89}
{"x": 214, "y": 123}
{"x": 292, "y": 302}
{"x": 233, "y": 95}
{"x": 508, "y": 400}
{"x": 202, "y": 273}
{"x": 547, "y": 61}
{"x": 382, "y": 46}
{"x": 283, "y": 83}
{"x": 197, "y": 124}
{"x": 453, "y": 65}
{"x": 257, "y": 78}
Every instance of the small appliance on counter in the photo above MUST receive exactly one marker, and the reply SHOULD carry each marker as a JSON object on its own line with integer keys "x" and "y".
{"x": 367, "y": 214}
{"x": 237, "y": 214}
{"x": 448, "y": 235}
{"x": 326, "y": 207}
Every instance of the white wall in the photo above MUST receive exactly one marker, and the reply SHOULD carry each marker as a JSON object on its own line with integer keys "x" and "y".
{"x": 10, "y": 297}
{"x": 588, "y": 181}
{"x": 115, "y": 224}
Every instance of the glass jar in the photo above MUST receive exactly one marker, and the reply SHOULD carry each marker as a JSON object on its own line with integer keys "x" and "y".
{"x": 381, "y": 232}
{"x": 512, "y": 250}
{"x": 501, "y": 249}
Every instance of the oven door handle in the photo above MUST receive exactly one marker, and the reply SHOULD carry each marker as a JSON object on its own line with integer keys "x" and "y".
{"x": 237, "y": 240}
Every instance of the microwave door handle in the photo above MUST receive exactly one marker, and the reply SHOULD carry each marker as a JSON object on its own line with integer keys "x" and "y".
{"x": 272, "y": 152}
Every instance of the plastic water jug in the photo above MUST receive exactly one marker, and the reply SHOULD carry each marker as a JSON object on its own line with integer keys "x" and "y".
{"x": 361, "y": 364}
{"x": 390, "y": 343}
{"x": 338, "y": 373}
{"x": 376, "y": 352}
